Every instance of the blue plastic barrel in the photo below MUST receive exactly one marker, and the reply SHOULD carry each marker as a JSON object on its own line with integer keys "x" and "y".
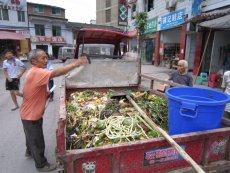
{"x": 193, "y": 109}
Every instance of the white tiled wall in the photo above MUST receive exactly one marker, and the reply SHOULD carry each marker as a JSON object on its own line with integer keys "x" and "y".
{"x": 159, "y": 9}
{"x": 13, "y": 20}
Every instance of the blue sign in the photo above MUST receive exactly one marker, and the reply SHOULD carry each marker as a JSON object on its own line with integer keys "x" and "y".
{"x": 172, "y": 19}
{"x": 196, "y": 7}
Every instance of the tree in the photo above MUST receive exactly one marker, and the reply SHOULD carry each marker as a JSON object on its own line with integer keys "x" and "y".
{"x": 140, "y": 23}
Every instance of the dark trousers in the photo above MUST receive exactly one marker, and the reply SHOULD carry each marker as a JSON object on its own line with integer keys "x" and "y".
{"x": 227, "y": 114}
{"x": 51, "y": 84}
{"x": 35, "y": 142}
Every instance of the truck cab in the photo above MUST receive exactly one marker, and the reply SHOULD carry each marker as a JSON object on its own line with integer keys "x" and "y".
{"x": 65, "y": 53}
{"x": 99, "y": 43}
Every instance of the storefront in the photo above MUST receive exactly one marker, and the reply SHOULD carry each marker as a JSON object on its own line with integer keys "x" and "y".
{"x": 48, "y": 44}
{"x": 14, "y": 26}
{"x": 170, "y": 47}
{"x": 209, "y": 48}
{"x": 13, "y": 40}
{"x": 170, "y": 39}
{"x": 148, "y": 44}
{"x": 218, "y": 44}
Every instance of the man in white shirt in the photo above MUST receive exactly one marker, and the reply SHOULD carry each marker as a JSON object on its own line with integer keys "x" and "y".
{"x": 13, "y": 70}
{"x": 226, "y": 88}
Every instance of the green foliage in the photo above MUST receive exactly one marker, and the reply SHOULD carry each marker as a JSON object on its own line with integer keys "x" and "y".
{"x": 71, "y": 108}
{"x": 141, "y": 21}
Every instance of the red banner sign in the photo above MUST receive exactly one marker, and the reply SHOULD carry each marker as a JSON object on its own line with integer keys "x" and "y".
{"x": 47, "y": 39}
{"x": 13, "y": 5}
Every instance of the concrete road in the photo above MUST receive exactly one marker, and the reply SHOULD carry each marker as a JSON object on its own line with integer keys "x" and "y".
{"x": 12, "y": 139}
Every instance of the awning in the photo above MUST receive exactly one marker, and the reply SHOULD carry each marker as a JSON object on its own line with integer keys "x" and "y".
{"x": 98, "y": 36}
{"x": 209, "y": 16}
{"x": 7, "y": 35}
{"x": 219, "y": 23}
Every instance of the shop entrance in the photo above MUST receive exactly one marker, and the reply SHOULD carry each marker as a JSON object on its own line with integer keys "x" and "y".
{"x": 7, "y": 44}
{"x": 171, "y": 54}
{"x": 147, "y": 51}
{"x": 43, "y": 47}
{"x": 170, "y": 47}
{"x": 55, "y": 51}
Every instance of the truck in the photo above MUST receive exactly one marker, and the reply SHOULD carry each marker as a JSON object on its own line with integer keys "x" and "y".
{"x": 118, "y": 70}
{"x": 65, "y": 53}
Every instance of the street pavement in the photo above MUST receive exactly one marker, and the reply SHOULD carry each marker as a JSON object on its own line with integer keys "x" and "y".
{"x": 163, "y": 73}
{"x": 12, "y": 145}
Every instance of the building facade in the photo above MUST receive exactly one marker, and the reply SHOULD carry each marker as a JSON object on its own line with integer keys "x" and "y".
{"x": 14, "y": 32}
{"x": 164, "y": 39}
{"x": 194, "y": 30}
{"x": 112, "y": 13}
{"x": 48, "y": 28}
{"x": 209, "y": 30}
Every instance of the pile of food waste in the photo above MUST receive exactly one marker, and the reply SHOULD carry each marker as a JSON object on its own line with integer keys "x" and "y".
{"x": 97, "y": 119}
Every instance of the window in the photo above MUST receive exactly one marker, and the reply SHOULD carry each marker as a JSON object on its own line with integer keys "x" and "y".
{"x": 56, "y": 30}
{"x": 149, "y": 5}
{"x": 4, "y": 14}
{"x": 39, "y": 30}
{"x": 108, "y": 3}
{"x": 56, "y": 11}
{"x": 108, "y": 15}
{"x": 38, "y": 9}
{"x": 21, "y": 16}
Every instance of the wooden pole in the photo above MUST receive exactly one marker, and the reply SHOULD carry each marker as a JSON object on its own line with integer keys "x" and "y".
{"x": 206, "y": 44}
{"x": 180, "y": 150}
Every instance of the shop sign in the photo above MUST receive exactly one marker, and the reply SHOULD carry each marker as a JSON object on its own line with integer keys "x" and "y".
{"x": 47, "y": 39}
{"x": 17, "y": 5}
{"x": 151, "y": 25}
{"x": 172, "y": 19}
{"x": 122, "y": 13}
{"x": 161, "y": 156}
{"x": 26, "y": 34}
{"x": 196, "y": 7}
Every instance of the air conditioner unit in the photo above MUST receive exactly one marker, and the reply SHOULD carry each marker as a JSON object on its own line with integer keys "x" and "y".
{"x": 170, "y": 4}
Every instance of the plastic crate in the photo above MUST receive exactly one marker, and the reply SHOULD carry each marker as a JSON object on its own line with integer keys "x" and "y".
{"x": 214, "y": 80}
{"x": 204, "y": 76}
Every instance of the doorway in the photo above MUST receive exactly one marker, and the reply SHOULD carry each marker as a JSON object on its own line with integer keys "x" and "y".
{"x": 147, "y": 50}
{"x": 43, "y": 47}
{"x": 55, "y": 51}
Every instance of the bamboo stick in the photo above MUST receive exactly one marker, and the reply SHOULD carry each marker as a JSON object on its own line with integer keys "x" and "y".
{"x": 180, "y": 150}
{"x": 206, "y": 45}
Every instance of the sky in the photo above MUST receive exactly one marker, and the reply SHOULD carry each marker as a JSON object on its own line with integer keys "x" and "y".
{"x": 75, "y": 10}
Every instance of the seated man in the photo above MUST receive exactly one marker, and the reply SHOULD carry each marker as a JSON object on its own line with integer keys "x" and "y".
{"x": 181, "y": 76}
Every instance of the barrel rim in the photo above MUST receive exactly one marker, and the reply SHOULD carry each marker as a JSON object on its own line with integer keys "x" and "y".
{"x": 171, "y": 96}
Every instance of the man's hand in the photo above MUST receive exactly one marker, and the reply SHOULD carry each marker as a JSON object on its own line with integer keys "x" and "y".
{"x": 82, "y": 61}
{"x": 65, "y": 69}
{"x": 19, "y": 76}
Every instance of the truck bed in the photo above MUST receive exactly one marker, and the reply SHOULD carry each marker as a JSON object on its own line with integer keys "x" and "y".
{"x": 152, "y": 155}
